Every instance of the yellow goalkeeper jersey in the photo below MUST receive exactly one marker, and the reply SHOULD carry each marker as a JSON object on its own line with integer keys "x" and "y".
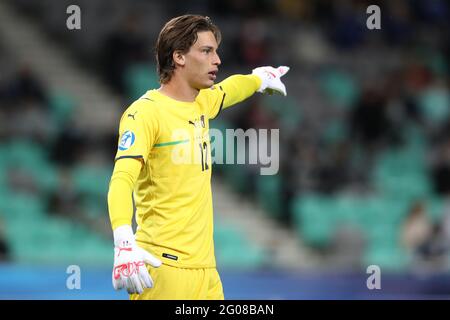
{"x": 172, "y": 195}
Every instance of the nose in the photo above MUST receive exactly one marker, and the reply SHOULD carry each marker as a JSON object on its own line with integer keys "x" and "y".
{"x": 216, "y": 60}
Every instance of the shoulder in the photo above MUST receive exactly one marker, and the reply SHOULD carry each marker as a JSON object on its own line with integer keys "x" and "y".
{"x": 145, "y": 107}
{"x": 215, "y": 89}
{"x": 208, "y": 95}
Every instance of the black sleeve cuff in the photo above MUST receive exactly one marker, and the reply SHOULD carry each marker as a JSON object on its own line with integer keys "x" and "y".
{"x": 130, "y": 157}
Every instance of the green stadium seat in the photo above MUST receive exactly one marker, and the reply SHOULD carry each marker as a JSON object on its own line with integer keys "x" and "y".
{"x": 314, "y": 219}
{"x": 93, "y": 208}
{"x": 233, "y": 250}
{"x": 269, "y": 194}
{"x": 340, "y": 87}
{"x": 20, "y": 205}
{"x": 234, "y": 174}
{"x": 92, "y": 181}
{"x": 435, "y": 208}
{"x": 140, "y": 78}
{"x": 65, "y": 242}
{"x": 387, "y": 258}
{"x": 47, "y": 178}
{"x": 286, "y": 109}
{"x": 434, "y": 103}
{"x": 24, "y": 153}
{"x": 334, "y": 132}
{"x": 62, "y": 106}
{"x": 30, "y": 158}
{"x": 402, "y": 174}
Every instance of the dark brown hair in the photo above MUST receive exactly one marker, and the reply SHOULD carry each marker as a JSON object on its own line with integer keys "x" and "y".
{"x": 180, "y": 33}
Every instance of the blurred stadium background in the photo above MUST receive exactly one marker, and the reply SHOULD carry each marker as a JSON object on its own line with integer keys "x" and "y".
{"x": 364, "y": 145}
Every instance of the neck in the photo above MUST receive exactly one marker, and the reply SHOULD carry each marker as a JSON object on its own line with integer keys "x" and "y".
{"x": 178, "y": 89}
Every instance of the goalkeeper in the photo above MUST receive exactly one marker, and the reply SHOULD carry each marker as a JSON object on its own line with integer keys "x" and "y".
{"x": 171, "y": 254}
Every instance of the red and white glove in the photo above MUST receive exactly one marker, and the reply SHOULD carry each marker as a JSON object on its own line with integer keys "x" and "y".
{"x": 271, "y": 79}
{"x": 129, "y": 269}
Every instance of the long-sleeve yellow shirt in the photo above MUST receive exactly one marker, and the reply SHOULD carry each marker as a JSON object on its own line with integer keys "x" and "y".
{"x": 164, "y": 161}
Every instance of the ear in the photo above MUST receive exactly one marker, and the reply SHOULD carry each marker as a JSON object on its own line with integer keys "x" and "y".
{"x": 179, "y": 58}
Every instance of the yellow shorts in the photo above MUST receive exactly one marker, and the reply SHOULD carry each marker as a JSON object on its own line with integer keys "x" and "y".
{"x": 171, "y": 283}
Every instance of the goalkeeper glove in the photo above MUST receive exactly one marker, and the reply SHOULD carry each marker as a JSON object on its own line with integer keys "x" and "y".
{"x": 271, "y": 79}
{"x": 129, "y": 269}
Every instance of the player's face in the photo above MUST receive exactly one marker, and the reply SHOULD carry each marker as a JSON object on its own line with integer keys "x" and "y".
{"x": 202, "y": 61}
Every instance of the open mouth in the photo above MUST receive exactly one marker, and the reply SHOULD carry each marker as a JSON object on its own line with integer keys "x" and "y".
{"x": 212, "y": 75}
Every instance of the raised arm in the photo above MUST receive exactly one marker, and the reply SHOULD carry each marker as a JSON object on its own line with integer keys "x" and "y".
{"x": 237, "y": 88}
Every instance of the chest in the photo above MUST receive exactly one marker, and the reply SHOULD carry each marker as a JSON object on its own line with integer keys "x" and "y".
{"x": 181, "y": 124}
{"x": 183, "y": 145}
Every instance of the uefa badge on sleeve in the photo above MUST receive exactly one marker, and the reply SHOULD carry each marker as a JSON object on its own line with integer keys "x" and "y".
{"x": 126, "y": 141}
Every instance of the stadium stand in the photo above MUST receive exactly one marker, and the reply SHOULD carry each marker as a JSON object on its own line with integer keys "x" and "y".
{"x": 364, "y": 133}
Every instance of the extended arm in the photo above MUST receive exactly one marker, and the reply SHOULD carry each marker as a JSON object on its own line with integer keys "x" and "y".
{"x": 238, "y": 88}
{"x": 263, "y": 79}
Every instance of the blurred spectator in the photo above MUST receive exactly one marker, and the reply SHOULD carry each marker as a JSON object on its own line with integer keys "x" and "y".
{"x": 295, "y": 9}
{"x": 347, "y": 30}
{"x": 31, "y": 122}
{"x": 252, "y": 46}
{"x": 441, "y": 169}
{"x": 20, "y": 180}
{"x": 256, "y": 116}
{"x": 4, "y": 247}
{"x": 416, "y": 76}
{"x": 431, "y": 12}
{"x": 68, "y": 146}
{"x": 410, "y": 82}
{"x": 244, "y": 7}
{"x": 303, "y": 163}
{"x": 124, "y": 47}
{"x": 397, "y": 24}
{"x": 434, "y": 251}
{"x": 67, "y": 203}
{"x": 370, "y": 122}
{"x": 416, "y": 229}
{"x": 25, "y": 86}
{"x": 347, "y": 249}
{"x": 446, "y": 221}
{"x": 25, "y": 106}
{"x": 334, "y": 172}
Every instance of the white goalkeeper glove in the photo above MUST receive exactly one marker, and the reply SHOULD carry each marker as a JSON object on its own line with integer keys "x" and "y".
{"x": 129, "y": 269}
{"x": 271, "y": 79}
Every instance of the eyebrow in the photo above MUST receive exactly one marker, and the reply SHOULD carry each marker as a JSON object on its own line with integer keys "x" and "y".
{"x": 206, "y": 47}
